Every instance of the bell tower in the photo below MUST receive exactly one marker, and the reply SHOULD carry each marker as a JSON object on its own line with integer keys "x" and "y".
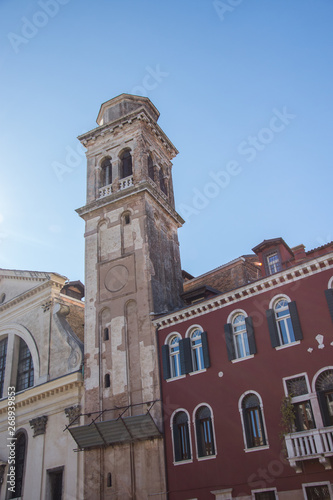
{"x": 132, "y": 272}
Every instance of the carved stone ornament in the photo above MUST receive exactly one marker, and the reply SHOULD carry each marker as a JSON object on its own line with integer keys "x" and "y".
{"x": 38, "y": 424}
{"x": 72, "y": 413}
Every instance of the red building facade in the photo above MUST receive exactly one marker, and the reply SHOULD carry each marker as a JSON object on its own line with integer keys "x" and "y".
{"x": 231, "y": 359}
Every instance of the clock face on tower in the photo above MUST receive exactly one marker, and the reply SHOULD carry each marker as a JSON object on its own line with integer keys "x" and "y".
{"x": 116, "y": 278}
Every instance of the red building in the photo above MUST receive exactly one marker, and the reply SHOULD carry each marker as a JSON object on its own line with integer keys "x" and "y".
{"x": 256, "y": 334}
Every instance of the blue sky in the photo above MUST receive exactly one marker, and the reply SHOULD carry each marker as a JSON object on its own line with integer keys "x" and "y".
{"x": 244, "y": 88}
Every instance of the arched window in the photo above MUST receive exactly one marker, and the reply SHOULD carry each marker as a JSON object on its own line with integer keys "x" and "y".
{"x": 25, "y": 368}
{"x": 20, "y": 448}
{"x": 204, "y": 432}
{"x": 106, "y": 172}
{"x": 253, "y": 421}
{"x": 126, "y": 164}
{"x": 197, "y": 352}
{"x": 239, "y": 335}
{"x": 283, "y": 322}
{"x": 324, "y": 389}
{"x": 3, "y": 354}
{"x": 181, "y": 437}
{"x": 163, "y": 186}
{"x": 174, "y": 356}
{"x": 151, "y": 168}
{"x": 329, "y": 297}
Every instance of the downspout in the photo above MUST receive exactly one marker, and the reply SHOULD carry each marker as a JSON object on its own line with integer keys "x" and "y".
{"x": 162, "y": 412}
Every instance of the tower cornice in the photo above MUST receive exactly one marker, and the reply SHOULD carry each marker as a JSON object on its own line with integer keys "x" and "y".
{"x": 89, "y": 138}
{"x": 144, "y": 186}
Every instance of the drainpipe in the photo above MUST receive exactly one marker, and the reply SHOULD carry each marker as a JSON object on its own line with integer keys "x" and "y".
{"x": 163, "y": 414}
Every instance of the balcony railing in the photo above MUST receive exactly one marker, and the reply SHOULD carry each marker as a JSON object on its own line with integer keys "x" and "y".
{"x": 126, "y": 182}
{"x": 123, "y": 184}
{"x": 311, "y": 444}
{"x": 105, "y": 191}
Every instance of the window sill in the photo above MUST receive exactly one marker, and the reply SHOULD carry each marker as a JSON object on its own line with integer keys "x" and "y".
{"x": 175, "y": 378}
{"x": 198, "y": 371}
{"x": 237, "y": 360}
{"x": 284, "y": 346}
{"x": 257, "y": 448}
{"x": 209, "y": 457}
{"x": 183, "y": 462}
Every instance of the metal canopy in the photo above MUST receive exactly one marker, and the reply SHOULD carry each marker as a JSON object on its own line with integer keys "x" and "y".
{"x": 120, "y": 430}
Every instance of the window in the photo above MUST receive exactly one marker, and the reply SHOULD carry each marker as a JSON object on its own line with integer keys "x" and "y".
{"x": 181, "y": 437}
{"x": 197, "y": 352}
{"x": 125, "y": 164}
{"x": 107, "y": 381}
{"x": 317, "y": 492}
{"x": 273, "y": 263}
{"x": 3, "y": 353}
{"x": 106, "y": 172}
{"x": 298, "y": 389}
{"x": 55, "y": 484}
{"x": 239, "y": 335}
{"x": 265, "y": 495}
{"x": 19, "y": 465}
{"x": 204, "y": 432}
{"x": 150, "y": 168}
{"x": 163, "y": 186}
{"x": 324, "y": 389}
{"x": 253, "y": 421}
{"x": 106, "y": 333}
{"x": 25, "y": 370}
{"x": 174, "y": 356}
{"x": 283, "y": 322}
{"x": 109, "y": 480}
{"x": 329, "y": 297}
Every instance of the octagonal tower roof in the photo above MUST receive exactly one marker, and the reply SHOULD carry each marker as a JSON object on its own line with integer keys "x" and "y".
{"x": 123, "y": 105}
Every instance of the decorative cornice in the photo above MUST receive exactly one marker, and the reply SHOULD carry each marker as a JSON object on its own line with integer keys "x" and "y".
{"x": 45, "y": 391}
{"x": 139, "y": 114}
{"x": 296, "y": 273}
{"x": 29, "y": 293}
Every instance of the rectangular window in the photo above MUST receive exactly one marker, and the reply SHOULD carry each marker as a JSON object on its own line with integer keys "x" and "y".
{"x": 55, "y": 484}
{"x": 3, "y": 353}
{"x": 273, "y": 263}
{"x": 319, "y": 492}
{"x": 265, "y": 495}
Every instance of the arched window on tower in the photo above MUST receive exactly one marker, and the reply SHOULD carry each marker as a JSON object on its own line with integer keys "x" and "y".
{"x": 126, "y": 164}
{"x": 106, "y": 174}
{"x": 163, "y": 186}
{"x": 151, "y": 168}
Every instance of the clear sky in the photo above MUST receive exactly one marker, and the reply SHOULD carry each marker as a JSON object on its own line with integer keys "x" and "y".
{"x": 244, "y": 88}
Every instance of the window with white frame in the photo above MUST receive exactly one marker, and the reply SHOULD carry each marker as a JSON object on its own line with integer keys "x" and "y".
{"x": 204, "y": 432}
{"x": 324, "y": 389}
{"x": 283, "y": 322}
{"x": 239, "y": 336}
{"x": 196, "y": 349}
{"x": 273, "y": 263}
{"x": 319, "y": 491}
{"x": 329, "y": 297}
{"x": 174, "y": 356}
{"x": 264, "y": 494}
{"x": 181, "y": 437}
{"x": 253, "y": 421}
{"x": 297, "y": 388}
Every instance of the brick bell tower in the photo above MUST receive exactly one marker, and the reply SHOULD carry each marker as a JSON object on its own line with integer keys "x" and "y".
{"x": 132, "y": 271}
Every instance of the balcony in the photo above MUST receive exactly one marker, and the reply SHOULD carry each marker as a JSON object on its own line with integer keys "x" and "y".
{"x": 309, "y": 445}
{"x": 109, "y": 189}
